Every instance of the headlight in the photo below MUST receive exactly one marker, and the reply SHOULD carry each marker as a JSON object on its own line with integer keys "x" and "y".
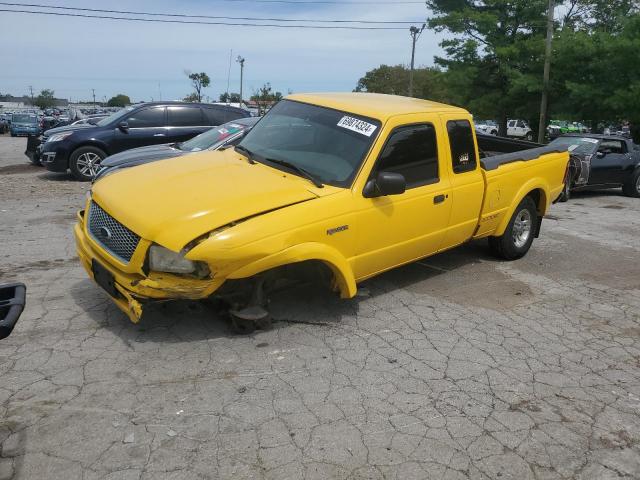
{"x": 59, "y": 136}
{"x": 164, "y": 260}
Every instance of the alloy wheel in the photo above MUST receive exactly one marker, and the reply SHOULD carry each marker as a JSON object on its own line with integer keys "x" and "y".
{"x": 522, "y": 228}
{"x": 89, "y": 164}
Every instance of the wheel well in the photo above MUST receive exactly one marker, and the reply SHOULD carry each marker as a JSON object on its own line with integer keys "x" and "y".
{"x": 90, "y": 144}
{"x": 540, "y": 199}
{"x": 315, "y": 272}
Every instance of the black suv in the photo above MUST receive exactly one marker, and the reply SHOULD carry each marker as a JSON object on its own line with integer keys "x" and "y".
{"x": 81, "y": 148}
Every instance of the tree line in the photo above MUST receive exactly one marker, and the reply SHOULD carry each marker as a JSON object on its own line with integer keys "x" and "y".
{"x": 494, "y": 56}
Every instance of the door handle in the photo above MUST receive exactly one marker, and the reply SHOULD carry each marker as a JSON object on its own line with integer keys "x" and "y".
{"x": 159, "y": 135}
{"x": 439, "y": 198}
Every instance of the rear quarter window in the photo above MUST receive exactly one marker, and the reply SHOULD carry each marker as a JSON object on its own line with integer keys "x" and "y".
{"x": 463, "y": 150}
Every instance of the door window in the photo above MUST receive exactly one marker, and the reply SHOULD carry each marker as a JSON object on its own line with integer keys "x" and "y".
{"x": 463, "y": 149}
{"x": 612, "y": 146}
{"x": 411, "y": 151}
{"x": 216, "y": 116}
{"x": 185, "y": 117}
{"x": 512, "y": 124}
{"x": 147, "y": 118}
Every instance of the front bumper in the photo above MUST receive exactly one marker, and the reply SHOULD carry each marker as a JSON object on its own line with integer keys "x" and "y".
{"x": 134, "y": 287}
{"x": 54, "y": 156}
{"x": 24, "y": 131}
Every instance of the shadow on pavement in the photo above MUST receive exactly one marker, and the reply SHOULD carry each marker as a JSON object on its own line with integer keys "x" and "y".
{"x": 183, "y": 321}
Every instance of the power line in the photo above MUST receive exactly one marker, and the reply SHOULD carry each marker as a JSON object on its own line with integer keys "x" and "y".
{"x": 180, "y": 15}
{"x": 197, "y": 22}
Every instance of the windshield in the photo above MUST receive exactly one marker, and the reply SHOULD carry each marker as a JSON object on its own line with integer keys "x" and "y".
{"x": 211, "y": 137}
{"x": 327, "y": 143}
{"x": 24, "y": 118}
{"x": 578, "y": 145}
{"x": 114, "y": 116}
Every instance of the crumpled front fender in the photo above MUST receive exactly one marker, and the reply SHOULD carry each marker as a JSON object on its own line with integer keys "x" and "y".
{"x": 343, "y": 273}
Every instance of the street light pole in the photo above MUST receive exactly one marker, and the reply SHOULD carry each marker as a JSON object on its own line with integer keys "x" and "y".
{"x": 240, "y": 60}
{"x": 547, "y": 70}
{"x": 415, "y": 34}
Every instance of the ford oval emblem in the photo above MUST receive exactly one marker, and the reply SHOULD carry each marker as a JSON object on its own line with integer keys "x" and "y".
{"x": 105, "y": 233}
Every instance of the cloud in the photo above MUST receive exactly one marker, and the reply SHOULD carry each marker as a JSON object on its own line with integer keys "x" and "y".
{"x": 72, "y": 55}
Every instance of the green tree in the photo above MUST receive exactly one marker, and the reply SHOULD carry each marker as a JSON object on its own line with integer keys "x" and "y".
{"x": 595, "y": 77}
{"x": 229, "y": 97}
{"x": 495, "y": 54}
{"x": 428, "y": 83}
{"x": 198, "y": 82}
{"x": 45, "y": 99}
{"x": 265, "y": 97}
{"x": 119, "y": 100}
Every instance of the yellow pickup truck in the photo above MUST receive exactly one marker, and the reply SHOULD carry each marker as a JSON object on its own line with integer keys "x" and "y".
{"x": 334, "y": 188}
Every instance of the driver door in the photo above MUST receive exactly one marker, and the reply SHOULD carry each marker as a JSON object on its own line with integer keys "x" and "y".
{"x": 147, "y": 126}
{"x": 397, "y": 229}
{"x": 607, "y": 166}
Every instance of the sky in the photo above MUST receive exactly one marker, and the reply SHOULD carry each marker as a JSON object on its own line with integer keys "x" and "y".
{"x": 148, "y": 60}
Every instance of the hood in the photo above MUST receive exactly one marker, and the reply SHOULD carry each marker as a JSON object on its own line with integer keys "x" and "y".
{"x": 138, "y": 156}
{"x": 175, "y": 201}
{"x": 68, "y": 128}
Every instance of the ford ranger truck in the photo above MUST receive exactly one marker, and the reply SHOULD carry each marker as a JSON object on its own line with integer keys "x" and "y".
{"x": 332, "y": 187}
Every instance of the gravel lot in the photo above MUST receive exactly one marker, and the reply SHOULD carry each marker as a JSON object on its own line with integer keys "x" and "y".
{"x": 459, "y": 366}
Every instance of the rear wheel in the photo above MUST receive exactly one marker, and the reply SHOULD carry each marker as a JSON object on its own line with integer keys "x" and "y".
{"x": 85, "y": 162}
{"x": 632, "y": 188}
{"x": 518, "y": 237}
{"x": 529, "y": 137}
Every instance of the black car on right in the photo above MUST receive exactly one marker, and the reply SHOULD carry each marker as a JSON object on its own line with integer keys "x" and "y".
{"x": 601, "y": 161}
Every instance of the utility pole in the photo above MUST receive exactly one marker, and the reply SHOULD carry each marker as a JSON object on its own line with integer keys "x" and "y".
{"x": 31, "y": 90}
{"x": 93, "y": 90}
{"x": 240, "y": 60}
{"x": 415, "y": 34}
{"x": 547, "y": 70}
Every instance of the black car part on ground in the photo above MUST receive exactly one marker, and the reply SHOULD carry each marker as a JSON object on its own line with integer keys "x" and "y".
{"x": 12, "y": 301}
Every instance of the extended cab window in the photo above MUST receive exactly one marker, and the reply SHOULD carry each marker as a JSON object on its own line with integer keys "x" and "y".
{"x": 185, "y": 117}
{"x": 463, "y": 150}
{"x": 411, "y": 151}
{"x": 147, "y": 118}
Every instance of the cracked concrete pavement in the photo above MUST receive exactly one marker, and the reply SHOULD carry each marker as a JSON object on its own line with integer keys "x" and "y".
{"x": 459, "y": 366}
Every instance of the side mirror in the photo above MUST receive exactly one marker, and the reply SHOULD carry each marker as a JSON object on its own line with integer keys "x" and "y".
{"x": 602, "y": 153}
{"x": 124, "y": 126}
{"x": 385, "y": 183}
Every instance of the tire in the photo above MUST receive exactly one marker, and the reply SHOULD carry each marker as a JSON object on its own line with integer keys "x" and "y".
{"x": 632, "y": 189}
{"x": 518, "y": 237}
{"x": 84, "y": 162}
{"x": 529, "y": 137}
{"x": 566, "y": 193}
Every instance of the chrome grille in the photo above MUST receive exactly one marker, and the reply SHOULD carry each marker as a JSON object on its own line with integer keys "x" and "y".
{"x": 111, "y": 234}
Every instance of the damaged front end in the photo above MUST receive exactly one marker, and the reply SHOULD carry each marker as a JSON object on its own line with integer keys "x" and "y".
{"x": 127, "y": 267}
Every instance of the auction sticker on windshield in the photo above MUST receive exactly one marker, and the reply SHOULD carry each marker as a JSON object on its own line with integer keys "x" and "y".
{"x": 355, "y": 125}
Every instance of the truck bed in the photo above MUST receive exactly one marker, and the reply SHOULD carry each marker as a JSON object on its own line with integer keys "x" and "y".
{"x": 512, "y": 169}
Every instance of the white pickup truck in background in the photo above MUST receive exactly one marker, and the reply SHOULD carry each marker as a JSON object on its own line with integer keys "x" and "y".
{"x": 519, "y": 129}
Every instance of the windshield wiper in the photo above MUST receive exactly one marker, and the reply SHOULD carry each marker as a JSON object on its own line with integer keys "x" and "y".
{"x": 309, "y": 176}
{"x": 246, "y": 152}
